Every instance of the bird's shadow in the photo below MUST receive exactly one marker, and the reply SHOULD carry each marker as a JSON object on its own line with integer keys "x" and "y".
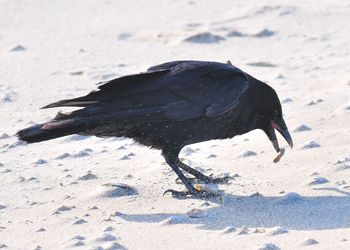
{"x": 292, "y": 212}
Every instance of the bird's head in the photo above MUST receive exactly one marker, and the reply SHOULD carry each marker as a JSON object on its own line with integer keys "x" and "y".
{"x": 273, "y": 119}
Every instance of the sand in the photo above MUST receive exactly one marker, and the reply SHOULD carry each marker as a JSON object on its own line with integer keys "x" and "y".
{"x": 92, "y": 193}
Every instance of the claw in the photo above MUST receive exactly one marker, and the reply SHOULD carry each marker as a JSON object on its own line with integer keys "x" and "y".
{"x": 177, "y": 194}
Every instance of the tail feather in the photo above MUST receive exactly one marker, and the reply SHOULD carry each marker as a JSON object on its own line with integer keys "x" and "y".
{"x": 84, "y": 121}
{"x": 50, "y": 130}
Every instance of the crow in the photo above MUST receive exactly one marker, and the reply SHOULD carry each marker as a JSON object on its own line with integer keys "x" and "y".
{"x": 169, "y": 106}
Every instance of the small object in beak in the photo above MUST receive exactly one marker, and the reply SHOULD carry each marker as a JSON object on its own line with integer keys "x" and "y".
{"x": 279, "y": 156}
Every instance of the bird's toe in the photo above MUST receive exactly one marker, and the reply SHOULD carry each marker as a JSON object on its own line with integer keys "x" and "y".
{"x": 205, "y": 193}
{"x": 220, "y": 180}
{"x": 207, "y": 180}
{"x": 177, "y": 194}
{"x": 198, "y": 192}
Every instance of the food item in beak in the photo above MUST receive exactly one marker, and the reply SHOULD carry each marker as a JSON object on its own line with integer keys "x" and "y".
{"x": 279, "y": 156}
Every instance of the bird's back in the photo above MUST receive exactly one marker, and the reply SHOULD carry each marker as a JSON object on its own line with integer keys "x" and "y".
{"x": 176, "y": 102}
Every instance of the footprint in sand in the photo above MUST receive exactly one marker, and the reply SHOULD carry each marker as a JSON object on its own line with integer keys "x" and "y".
{"x": 235, "y": 33}
{"x": 243, "y": 231}
{"x": 228, "y": 230}
{"x": 302, "y": 128}
{"x": 79, "y": 222}
{"x": 314, "y": 102}
{"x": 311, "y": 144}
{"x": 204, "y": 38}
{"x": 87, "y": 177}
{"x": 77, "y": 73}
{"x": 318, "y": 181}
{"x": 290, "y": 198}
{"x": 124, "y": 36}
{"x": 3, "y": 246}
{"x": 106, "y": 236}
{"x": 309, "y": 242}
{"x": 17, "y": 144}
{"x": 262, "y": 64}
{"x": 269, "y": 246}
{"x": 343, "y": 164}
{"x": 175, "y": 219}
{"x": 63, "y": 208}
{"x": 113, "y": 190}
{"x": 18, "y": 48}
{"x": 76, "y": 241}
{"x": 63, "y": 156}
{"x": 277, "y": 231}
{"x": 248, "y": 153}
{"x": 125, "y": 157}
{"x": 196, "y": 213}
{"x": 287, "y": 100}
{"x": 265, "y": 33}
{"x": 82, "y": 153}
{"x": 4, "y": 136}
{"x": 8, "y": 96}
{"x": 40, "y": 162}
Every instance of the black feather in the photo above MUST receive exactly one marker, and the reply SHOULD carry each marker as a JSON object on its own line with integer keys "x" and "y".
{"x": 169, "y": 106}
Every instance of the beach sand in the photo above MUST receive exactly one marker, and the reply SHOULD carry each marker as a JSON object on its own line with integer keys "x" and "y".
{"x": 93, "y": 193}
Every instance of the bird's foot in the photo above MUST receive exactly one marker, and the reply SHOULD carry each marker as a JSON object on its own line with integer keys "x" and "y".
{"x": 208, "y": 179}
{"x": 177, "y": 194}
{"x": 220, "y": 180}
{"x": 197, "y": 192}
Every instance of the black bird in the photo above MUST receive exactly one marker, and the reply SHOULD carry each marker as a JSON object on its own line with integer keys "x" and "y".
{"x": 170, "y": 106}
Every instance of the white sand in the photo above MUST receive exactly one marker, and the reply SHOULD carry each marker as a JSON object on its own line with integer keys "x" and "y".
{"x": 63, "y": 193}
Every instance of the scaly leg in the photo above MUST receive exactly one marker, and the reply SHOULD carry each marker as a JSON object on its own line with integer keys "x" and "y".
{"x": 202, "y": 177}
{"x": 171, "y": 158}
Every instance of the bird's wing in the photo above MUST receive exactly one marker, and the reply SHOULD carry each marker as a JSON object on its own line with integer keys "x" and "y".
{"x": 208, "y": 88}
{"x": 182, "y": 90}
{"x": 121, "y": 86}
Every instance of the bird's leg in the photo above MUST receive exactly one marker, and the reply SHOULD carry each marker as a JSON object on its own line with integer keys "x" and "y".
{"x": 173, "y": 161}
{"x": 204, "y": 178}
{"x": 190, "y": 188}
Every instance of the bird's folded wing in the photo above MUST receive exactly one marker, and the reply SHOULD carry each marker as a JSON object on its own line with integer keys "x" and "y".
{"x": 208, "y": 89}
{"x": 122, "y": 86}
{"x": 181, "y": 90}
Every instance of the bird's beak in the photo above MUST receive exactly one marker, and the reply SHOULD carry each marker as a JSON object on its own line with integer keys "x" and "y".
{"x": 270, "y": 132}
{"x": 281, "y": 127}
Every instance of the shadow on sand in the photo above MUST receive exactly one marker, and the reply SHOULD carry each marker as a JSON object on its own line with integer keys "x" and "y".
{"x": 291, "y": 211}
